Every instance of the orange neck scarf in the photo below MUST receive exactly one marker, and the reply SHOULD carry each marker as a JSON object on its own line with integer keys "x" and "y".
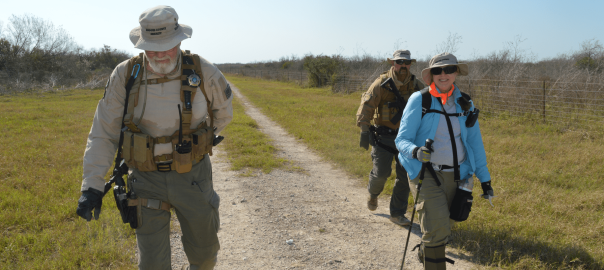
{"x": 436, "y": 94}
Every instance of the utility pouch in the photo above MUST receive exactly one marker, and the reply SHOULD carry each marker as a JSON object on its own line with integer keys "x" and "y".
{"x": 202, "y": 142}
{"x": 383, "y": 113}
{"x": 472, "y": 117}
{"x": 143, "y": 152}
{"x": 461, "y": 205}
{"x": 127, "y": 148}
{"x": 183, "y": 161}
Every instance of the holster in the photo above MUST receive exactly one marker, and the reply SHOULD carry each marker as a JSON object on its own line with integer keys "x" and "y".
{"x": 127, "y": 212}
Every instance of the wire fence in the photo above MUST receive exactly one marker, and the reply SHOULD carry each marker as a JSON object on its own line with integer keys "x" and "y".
{"x": 563, "y": 103}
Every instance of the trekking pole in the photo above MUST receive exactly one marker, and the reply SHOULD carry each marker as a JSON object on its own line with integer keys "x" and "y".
{"x": 419, "y": 187}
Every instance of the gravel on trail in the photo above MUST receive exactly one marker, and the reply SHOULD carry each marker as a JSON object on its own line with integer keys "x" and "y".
{"x": 315, "y": 218}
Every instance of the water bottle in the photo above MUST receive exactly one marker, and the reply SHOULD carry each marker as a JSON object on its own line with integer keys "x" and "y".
{"x": 467, "y": 184}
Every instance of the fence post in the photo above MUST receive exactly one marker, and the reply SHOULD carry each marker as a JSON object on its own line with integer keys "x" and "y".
{"x": 544, "y": 101}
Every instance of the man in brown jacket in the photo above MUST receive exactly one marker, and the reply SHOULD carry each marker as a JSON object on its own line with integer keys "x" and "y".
{"x": 374, "y": 107}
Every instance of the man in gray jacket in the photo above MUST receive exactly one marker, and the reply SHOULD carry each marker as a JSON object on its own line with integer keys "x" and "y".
{"x": 174, "y": 88}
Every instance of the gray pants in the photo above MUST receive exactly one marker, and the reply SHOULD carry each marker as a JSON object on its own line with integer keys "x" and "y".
{"x": 196, "y": 205}
{"x": 433, "y": 207}
{"x": 382, "y": 168}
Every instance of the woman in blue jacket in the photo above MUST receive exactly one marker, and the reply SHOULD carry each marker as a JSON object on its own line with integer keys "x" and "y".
{"x": 457, "y": 153}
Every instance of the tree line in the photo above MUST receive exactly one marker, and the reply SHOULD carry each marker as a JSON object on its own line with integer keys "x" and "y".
{"x": 34, "y": 54}
{"x": 511, "y": 63}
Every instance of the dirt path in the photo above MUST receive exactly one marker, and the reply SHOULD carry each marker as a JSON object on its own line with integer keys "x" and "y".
{"x": 321, "y": 210}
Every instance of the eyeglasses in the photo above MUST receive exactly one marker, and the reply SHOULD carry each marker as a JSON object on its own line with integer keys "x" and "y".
{"x": 447, "y": 69}
{"x": 403, "y": 62}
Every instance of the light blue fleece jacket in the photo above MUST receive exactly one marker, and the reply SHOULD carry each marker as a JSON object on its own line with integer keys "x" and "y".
{"x": 414, "y": 130}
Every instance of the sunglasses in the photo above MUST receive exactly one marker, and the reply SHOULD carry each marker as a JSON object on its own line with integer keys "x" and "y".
{"x": 447, "y": 69}
{"x": 404, "y": 62}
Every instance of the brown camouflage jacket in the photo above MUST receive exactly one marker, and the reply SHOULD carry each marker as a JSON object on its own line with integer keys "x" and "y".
{"x": 374, "y": 103}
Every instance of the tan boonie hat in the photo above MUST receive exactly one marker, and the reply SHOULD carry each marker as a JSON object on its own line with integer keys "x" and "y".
{"x": 442, "y": 60}
{"x": 401, "y": 55}
{"x": 159, "y": 30}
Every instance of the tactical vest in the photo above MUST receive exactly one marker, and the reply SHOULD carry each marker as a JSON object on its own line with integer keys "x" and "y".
{"x": 138, "y": 147}
{"x": 383, "y": 114}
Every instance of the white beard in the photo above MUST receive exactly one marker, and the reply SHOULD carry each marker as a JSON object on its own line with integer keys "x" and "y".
{"x": 163, "y": 68}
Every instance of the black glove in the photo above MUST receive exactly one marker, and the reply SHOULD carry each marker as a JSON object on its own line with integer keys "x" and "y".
{"x": 365, "y": 139}
{"x": 423, "y": 154}
{"x": 487, "y": 190}
{"x": 90, "y": 199}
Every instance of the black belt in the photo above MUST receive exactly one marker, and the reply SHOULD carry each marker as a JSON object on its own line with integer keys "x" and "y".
{"x": 444, "y": 167}
{"x": 384, "y": 130}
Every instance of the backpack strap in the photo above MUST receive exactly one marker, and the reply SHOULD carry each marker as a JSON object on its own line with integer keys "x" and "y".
{"x": 135, "y": 70}
{"x": 427, "y": 103}
{"x": 466, "y": 96}
{"x": 187, "y": 92}
{"x": 136, "y": 61}
{"x": 195, "y": 64}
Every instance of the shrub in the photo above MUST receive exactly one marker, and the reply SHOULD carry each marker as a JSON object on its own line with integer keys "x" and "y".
{"x": 323, "y": 69}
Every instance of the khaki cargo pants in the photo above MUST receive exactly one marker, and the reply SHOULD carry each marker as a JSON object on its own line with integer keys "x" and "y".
{"x": 433, "y": 207}
{"x": 196, "y": 205}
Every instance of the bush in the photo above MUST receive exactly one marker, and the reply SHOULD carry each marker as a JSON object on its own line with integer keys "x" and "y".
{"x": 323, "y": 69}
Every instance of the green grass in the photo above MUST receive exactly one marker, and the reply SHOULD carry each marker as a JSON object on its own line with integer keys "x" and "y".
{"x": 319, "y": 118}
{"x": 549, "y": 213}
{"x": 248, "y": 148}
{"x": 42, "y": 141}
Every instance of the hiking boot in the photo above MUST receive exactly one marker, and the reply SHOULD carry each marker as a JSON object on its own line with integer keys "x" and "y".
{"x": 401, "y": 220}
{"x": 372, "y": 203}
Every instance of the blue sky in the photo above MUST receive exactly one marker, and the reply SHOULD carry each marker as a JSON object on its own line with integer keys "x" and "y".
{"x": 246, "y": 31}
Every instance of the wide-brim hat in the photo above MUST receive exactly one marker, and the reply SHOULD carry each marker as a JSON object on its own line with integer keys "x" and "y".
{"x": 401, "y": 55}
{"x": 159, "y": 30}
{"x": 443, "y": 60}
